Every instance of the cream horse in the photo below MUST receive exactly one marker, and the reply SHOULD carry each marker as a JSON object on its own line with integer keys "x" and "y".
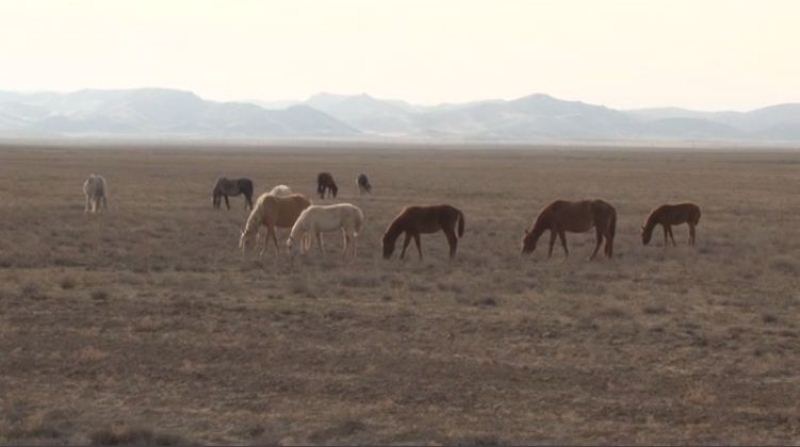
{"x": 280, "y": 191}
{"x": 318, "y": 219}
{"x": 94, "y": 188}
{"x": 272, "y": 212}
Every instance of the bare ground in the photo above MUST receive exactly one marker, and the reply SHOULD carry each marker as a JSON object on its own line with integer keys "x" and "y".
{"x": 145, "y": 325}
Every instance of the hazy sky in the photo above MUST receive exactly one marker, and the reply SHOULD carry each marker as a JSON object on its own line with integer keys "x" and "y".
{"x": 704, "y": 54}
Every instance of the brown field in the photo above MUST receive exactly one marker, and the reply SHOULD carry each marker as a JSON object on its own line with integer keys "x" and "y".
{"x": 145, "y": 324}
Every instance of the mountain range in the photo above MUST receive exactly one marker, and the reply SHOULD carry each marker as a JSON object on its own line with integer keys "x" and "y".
{"x": 538, "y": 117}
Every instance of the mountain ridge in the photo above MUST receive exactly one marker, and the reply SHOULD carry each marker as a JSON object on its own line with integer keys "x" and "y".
{"x": 534, "y": 117}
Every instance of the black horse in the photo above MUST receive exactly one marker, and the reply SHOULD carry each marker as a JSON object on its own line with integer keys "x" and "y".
{"x": 233, "y": 187}
{"x": 363, "y": 184}
{"x": 325, "y": 183}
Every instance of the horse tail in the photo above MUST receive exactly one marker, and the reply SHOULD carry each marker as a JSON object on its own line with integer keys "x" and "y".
{"x": 612, "y": 231}
{"x": 359, "y": 223}
{"x": 460, "y": 224}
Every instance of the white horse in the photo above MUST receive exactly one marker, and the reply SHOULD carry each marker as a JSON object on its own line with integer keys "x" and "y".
{"x": 281, "y": 191}
{"x": 94, "y": 188}
{"x": 318, "y": 219}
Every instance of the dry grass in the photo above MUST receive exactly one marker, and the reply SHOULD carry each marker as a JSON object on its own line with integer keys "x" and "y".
{"x": 144, "y": 325}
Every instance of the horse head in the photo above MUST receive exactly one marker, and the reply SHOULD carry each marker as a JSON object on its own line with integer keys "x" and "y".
{"x": 646, "y": 235}
{"x": 528, "y": 243}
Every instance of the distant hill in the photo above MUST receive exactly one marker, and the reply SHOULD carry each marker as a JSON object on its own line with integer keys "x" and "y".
{"x": 537, "y": 117}
{"x": 157, "y": 112}
{"x": 543, "y": 117}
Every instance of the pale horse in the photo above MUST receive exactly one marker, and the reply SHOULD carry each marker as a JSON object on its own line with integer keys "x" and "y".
{"x": 95, "y": 190}
{"x": 318, "y": 219}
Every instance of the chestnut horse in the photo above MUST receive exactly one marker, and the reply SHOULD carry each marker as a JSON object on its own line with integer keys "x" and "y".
{"x": 668, "y": 215}
{"x": 562, "y": 216}
{"x": 416, "y": 220}
{"x": 272, "y": 212}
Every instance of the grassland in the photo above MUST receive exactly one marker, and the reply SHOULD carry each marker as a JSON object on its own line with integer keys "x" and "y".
{"x": 146, "y": 325}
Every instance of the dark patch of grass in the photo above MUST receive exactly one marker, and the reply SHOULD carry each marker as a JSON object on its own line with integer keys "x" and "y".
{"x": 100, "y": 295}
{"x": 68, "y": 283}
{"x": 339, "y": 431}
{"x": 32, "y": 291}
{"x": 134, "y": 436}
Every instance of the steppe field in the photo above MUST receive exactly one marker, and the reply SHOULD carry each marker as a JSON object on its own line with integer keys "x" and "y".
{"x": 146, "y": 325}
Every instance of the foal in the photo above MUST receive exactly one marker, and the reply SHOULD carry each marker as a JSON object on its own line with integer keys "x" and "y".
{"x": 416, "y": 220}
{"x": 561, "y": 216}
{"x": 668, "y": 215}
{"x": 318, "y": 219}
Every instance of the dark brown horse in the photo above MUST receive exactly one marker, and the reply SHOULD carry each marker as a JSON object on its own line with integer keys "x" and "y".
{"x": 562, "y": 216}
{"x": 325, "y": 183}
{"x": 225, "y": 187}
{"x": 416, "y": 220}
{"x": 668, "y": 215}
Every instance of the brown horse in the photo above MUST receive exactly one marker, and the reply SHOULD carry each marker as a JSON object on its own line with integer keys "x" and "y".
{"x": 668, "y": 215}
{"x": 561, "y": 216}
{"x": 325, "y": 183}
{"x": 416, "y": 220}
{"x": 272, "y": 212}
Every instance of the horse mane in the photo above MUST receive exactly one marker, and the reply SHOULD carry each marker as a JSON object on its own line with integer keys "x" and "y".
{"x": 541, "y": 225}
{"x": 650, "y": 223}
{"x": 255, "y": 218}
{"x": 395, "y": 228}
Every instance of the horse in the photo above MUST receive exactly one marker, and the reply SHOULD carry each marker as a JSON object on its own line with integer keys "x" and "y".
{"x": 416, "y": 220}
{"x": 668, "y": 215}
{"x": 362, "y": 182}
{"x": 325, "y": 183}
{"x": 272, "y": 212}
{"x": 225, "y": 187}
{"x": 562, "y": 216}
{"x": 280, "y": 191}
{"x": 318, "y": 219}
{"x": 95, "y": 190}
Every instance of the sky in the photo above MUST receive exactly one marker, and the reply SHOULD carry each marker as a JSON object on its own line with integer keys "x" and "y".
{"x": 700, "y": 54}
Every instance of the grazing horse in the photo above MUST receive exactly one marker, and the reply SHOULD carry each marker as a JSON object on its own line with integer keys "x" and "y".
{"x": 95, "y": 190}
{"x": 272, "y": 212}
{"x": 280, "y": 191}
{"x": 318, "y": 219}
{"x": 232, "y": 187}
{"x": 325, "y": 183}
{"x": 561, "y": 216}
{"x": 416, "y": 220}
{"x": 363, "y": 184}
{"x": 668, "y": 215}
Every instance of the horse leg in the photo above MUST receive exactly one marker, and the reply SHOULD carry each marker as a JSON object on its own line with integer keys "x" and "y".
{"x": 345, "y": 242}
{"x": 671, "y": 236}
{"x": 452, "y": 241}
{"x": 553, "y": 235}
{"x": 419, "y": 247}
{"x": 318, "y": 236}
{"x": 405, "y": 245}
{"x": 105, "y": 203}
{"x": 272, "y": 231}
{"x": 227, "y": 204}
{"x": 666, "y": 235}
{"x": 562, "y": 235}
{"x": 691, "y": 234}
{"x": 599, "y": 237}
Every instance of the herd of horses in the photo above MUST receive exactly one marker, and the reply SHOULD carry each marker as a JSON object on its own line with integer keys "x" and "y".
{"x": 282, "y": 208}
